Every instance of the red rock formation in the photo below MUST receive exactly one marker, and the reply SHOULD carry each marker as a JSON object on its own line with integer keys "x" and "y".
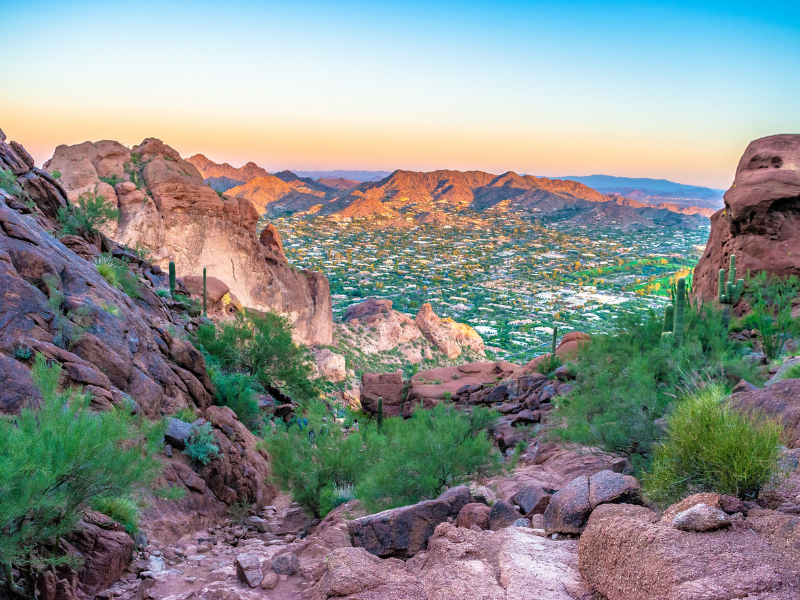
{"x": 179, "y": 218}
{"x": 271, "y": 240}
{"x": 446, "y": 334}
{"x": 760, "y": 223}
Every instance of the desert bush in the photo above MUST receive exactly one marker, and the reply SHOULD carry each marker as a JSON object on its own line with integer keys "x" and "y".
{"x": 201, "y": 447}
{"x": 57, "y": 456}
{"x": 711, "y": 447}
{"x": 186, "y": 414}
{"x": 123, "y": 509}
{"x": 315, "y": 461}
{"x": 419, "y": 458}
{"x": 86, "y": 215}
{"x": 262, "y": 346}
{"x": 117, "y": 273}
{"x": 8, "y": 182}
{"x": 238, "y": 392}
{"x": 628, "y": 379}
{"x": 771, "y": 301}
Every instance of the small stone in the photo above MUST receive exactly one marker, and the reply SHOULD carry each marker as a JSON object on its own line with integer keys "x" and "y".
{"x": 521, "y": 523}
{"x": 190, "y": 579}
{"x": 269, "y": 581}
{"x": 501, "y": 515}
{"x": 701, "y": 517}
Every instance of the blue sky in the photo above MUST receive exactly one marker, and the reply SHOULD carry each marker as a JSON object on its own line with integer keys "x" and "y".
{"x": 659, "y": 89}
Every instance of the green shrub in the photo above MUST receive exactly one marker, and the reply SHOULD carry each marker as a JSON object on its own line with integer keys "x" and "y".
{"x": 117, "y": 273}
{"x": 314, "y": 461}
{"x": 111, "y": 308}
{"x": 112, "y": 181}
{"x": 792, "y": 372}
{"x": 58, "y": 456}
{"x": 628, "y": 379}
{"x": 711, "y": 447}
{"x": 237, "y": 391}
{"x": 419, "y": 458}
{"x": 200, "y": 447}
{"x": 87, "y": 215}
{"x": 8, "y": 182}
{"x": 107, "y": 267}
{"x": 262, "y": 346}
{"x": 186, "y": 414}
{"x": 771, "y": 302}
{"x": 123, "y": 509}
{"x": 56, "y": 174}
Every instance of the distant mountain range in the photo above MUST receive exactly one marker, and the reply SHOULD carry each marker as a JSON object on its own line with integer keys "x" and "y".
{"x": 653, "y": 191}
{"x": 358, "y": 176}
{"x": 409, "y": 197}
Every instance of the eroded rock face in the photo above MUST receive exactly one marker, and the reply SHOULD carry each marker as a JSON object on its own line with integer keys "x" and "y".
{"x": 446, "y": 334}
{"x": 388, "y": 386}
{"x": 625, "y": 553}
{"x": 177, "y": 217}
{"x": 760, "y": 223}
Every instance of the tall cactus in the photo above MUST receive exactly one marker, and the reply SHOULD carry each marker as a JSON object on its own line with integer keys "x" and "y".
{"x": 669, "y": 316}
{"x": 171, "y": 278}
{"x": 380, "y": 414}
{"x": 680, "y": 305}
{"x": 205, "y": 294}
{"x": 729, "y": 293}
{"x": 674, "y": 315}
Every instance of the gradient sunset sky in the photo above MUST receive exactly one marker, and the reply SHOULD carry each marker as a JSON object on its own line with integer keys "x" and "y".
{"x": 670, "y": 90}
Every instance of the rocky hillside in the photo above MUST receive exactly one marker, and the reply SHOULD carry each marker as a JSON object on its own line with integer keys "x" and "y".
{"x": 129, "y": 351}
{"x": 167, "y": 211}
{"x": 760, "y": 223}
{"x": 223, "y": 176}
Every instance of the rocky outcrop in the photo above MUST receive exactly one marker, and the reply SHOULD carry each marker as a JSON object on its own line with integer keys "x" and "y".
{"x": 760, "y": 223}
{"x": 404, "y": 531}
{"x": 446, "y": 334}
{"x": 380, "y": 328}
{"x": 567, "y": 349}
{"x": 627, "y": 553}
{"x": 510, "y": 564}
{"x": 172, "y": 213}
{"x": 780, "y": 400}
{"x": 388, "y": 386}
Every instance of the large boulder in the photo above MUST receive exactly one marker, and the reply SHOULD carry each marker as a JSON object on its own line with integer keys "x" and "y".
{"x": 404, "y": 531}
{"x": 177, "y": 217}
{"x": 446, "y": 334}
{"x": 759, "y": 223}
{"x": 569, "y": 509}
{"x": 781, "y": 400}
{"x": 626, "y": 553}
{"x": 567, "y": 349}
{"x": 388, "y": 386}
{"x": 434, "y": 385}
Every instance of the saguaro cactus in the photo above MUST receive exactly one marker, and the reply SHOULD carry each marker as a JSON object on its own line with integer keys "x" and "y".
{"x": 171, "y": 278}
{"x": 380, "y": 413}
{"x": 674, "y": 315}
{"x": 205, "y": 295}
{"x": 669, "y": 316}
{"x": 729, "y": 293}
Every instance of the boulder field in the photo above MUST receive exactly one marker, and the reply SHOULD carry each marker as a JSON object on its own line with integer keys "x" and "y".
{"x": 167, "y": 210}
{"x": 760, "y": 222}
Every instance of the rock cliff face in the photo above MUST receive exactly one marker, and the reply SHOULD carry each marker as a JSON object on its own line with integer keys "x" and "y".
{"x": 760, "y": 223}
{"x": 166, "y": 208}
{"x": 446, "y": 334}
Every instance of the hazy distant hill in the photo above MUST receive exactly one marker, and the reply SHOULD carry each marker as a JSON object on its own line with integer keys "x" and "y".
{"x": 355, "y": 175}
{"x": 223, "y": 176}
{"x": 653, "y": 191}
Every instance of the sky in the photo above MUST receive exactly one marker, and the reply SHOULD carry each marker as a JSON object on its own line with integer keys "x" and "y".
{"x": 672, "y": 90}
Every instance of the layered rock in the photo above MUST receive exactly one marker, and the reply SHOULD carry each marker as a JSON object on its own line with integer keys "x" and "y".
{"x": 177, "y": 217}
{"x": 385, "y": 328}
{"x": 760, "y": 223}
{"x": 446, "y": 334}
